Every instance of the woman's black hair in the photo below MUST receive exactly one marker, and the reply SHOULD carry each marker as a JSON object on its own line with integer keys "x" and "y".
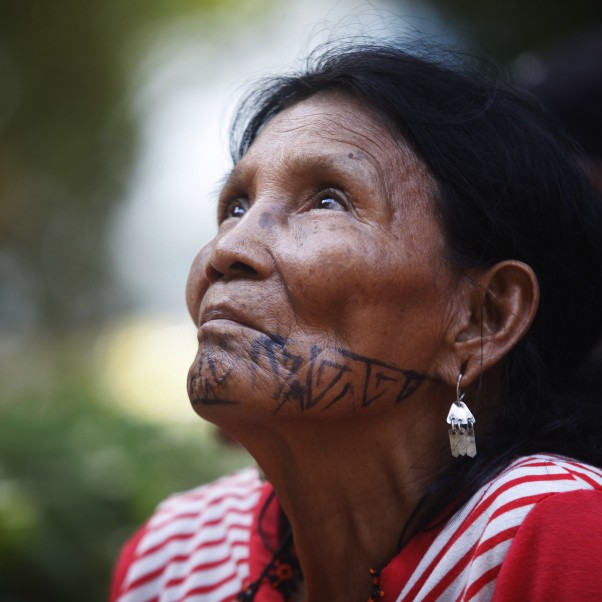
{"x": 509, "y": 186}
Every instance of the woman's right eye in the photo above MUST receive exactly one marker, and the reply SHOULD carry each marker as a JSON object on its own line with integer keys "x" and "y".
{"x": 236, "y": 208}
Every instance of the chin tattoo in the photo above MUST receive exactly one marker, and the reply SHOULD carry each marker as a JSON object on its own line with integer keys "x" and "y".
{"x": 312, "y": 380}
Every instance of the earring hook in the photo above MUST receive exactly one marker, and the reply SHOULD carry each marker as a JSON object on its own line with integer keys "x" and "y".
{"x": 459, "y": 394}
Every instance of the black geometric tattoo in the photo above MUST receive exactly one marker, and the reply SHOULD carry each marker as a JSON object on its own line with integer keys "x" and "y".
{"x": 319, "y": 379}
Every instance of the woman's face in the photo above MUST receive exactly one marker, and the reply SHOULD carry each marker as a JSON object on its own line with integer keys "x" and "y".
{"x": 325, "y": 289}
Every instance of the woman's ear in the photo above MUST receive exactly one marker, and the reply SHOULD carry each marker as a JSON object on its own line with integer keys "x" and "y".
{"x": 498, "y": 305}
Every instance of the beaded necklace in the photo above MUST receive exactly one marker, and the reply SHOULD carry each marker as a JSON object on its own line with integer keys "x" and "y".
{"x": 283, "y": 573}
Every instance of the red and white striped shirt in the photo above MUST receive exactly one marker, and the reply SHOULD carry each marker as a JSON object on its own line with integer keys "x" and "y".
{"x": 532, "y": 533}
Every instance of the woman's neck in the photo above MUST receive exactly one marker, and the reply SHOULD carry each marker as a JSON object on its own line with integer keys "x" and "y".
{"x": 348, "y": 491}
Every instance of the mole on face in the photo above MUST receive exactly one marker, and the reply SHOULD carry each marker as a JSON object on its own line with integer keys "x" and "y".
{"x": 357, "y": 156}
{"x": 266, "y": 221}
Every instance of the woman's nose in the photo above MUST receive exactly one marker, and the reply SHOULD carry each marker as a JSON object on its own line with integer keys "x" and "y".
{"x": 241, "y": 251}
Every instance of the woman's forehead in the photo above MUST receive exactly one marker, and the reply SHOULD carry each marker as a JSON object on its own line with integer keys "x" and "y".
{"x": 331, "y": 129}
{"x": 335, "y": 117}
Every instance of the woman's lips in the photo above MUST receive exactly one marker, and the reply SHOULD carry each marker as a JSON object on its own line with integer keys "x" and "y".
{"x": 225, "y": 314}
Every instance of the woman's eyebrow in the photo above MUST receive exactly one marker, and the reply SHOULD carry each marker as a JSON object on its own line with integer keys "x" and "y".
{"x": 353, "y": 164}
{"x": 231, "y": 178}
{"x": 322, "y": 164}
{"x": 299, "y": 163}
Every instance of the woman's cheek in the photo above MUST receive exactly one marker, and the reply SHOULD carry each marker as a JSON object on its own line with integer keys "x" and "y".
{"x": 197, "y": 283}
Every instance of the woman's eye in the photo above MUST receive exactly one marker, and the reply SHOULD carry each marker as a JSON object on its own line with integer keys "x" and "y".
{"x": 235, "y": 209}
{"x": 330, "y": 202}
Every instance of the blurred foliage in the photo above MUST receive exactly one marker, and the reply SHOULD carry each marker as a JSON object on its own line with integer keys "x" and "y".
{"x": 505, "y": 29}
{"x": 77, "y": 478}
{"x": 67, "y": 138}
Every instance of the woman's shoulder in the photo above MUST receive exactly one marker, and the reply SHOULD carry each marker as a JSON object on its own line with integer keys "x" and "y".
{"x": 555, "y": 551}
{"x": 529, "y": 479}
{"x": 549, "y": 468}
{"x": 197, "y": 536}
{"x": 522, "y": 498}
{"x": 465, "y": 556}
{"x": 501, "y": 506}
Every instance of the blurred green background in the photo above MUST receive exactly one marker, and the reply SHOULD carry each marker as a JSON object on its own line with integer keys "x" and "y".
{"x": 94, "y": 424}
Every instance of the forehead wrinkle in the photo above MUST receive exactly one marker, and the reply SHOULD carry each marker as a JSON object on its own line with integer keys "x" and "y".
{"x": 285, "y": 123}
{"x": 304, "y": 155}
{"x": 321, "y": 122}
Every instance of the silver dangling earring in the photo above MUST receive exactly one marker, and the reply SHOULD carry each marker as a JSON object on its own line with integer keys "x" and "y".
{"x": 461, "y": 421}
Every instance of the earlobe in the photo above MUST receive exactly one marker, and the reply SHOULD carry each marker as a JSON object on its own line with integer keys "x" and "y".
{"x": 495, "y": 315}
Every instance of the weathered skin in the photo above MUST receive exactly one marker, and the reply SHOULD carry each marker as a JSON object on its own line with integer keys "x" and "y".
{"x": 338, "y": 252}
{"x": 332, "y": 331}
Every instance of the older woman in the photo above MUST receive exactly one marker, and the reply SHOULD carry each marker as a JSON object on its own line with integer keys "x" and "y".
{"x": 396, "y": 319}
